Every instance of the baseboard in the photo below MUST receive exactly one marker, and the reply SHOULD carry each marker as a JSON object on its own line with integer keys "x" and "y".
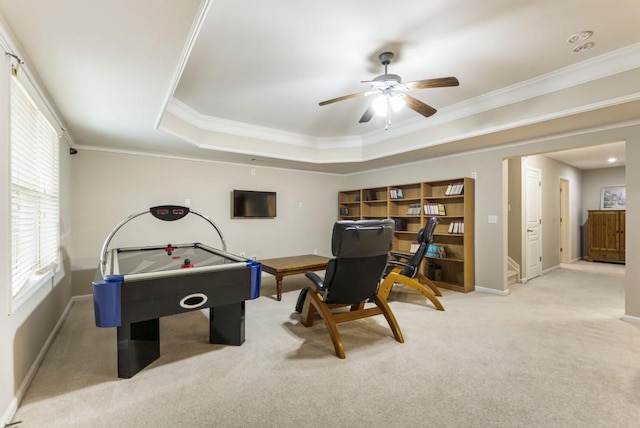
{"x": 8, "y": 414}
{"x": 546, "y": 271}
{"x": 492, "y": 291}
{"x": 22, "y": 389}
{"x": 632, "y": 319}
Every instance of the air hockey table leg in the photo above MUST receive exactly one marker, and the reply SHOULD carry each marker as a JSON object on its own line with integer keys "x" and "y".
{"x": 138, "y": 346}
{"x": 226, "y": 324}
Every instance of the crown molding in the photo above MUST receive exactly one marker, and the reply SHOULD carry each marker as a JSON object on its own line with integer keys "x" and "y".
{"x": 602, "y": 66}
{"x": 225, "y": 126}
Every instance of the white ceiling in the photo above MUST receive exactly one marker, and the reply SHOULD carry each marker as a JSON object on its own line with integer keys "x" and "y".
{"x": 601, "y": 156}
{"x": 240, "y": 81}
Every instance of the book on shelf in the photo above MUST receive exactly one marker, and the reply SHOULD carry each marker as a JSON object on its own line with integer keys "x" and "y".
{"x": 400, "y": 224}
{"x": 396, "y": 194}
{"x": 414, "y": 209}
{"x": 370, "y": 195}
{"x": 434, "y": 208}
{"x": 456, "y": 226}
{"x": 344, "y": 211}
{"x": 454, "y": 189}
{"x": 414, "y": 247}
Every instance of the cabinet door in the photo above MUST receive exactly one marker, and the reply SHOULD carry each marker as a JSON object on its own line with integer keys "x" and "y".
{"x": 604, "y": 238}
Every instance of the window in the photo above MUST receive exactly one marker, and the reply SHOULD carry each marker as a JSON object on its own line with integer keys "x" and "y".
{"x": 34, "y": 194}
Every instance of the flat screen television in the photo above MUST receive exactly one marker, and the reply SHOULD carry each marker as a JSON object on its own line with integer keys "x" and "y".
{"x": 253, "y": 204}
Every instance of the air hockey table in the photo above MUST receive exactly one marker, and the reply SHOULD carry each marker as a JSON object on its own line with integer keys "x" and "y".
{"x": 135, "y": 286}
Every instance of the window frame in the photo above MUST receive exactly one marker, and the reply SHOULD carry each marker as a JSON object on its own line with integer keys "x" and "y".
{"x": 40, "y": 276}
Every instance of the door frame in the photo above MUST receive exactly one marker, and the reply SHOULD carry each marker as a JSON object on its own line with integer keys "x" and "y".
{"x": 565, "y": 248}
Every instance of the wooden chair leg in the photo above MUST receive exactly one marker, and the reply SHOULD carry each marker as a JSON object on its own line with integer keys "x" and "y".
{"x": 422, "y": 279}
{"x": 313, "y": 303}
{"x": 421, "y": 288}
{"x": 327, "y": 317}
{"x": 385, "y": 288}
{"x": 391, "y": 319}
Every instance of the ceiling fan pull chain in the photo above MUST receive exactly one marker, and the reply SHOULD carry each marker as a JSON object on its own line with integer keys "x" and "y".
{"x": 388, "y": 122}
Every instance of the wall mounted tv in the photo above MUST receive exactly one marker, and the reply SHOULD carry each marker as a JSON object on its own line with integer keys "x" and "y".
{"x": 253, "y": 204}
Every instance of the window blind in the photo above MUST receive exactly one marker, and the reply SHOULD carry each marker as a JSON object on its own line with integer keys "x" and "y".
{"x": 35, "y": 236}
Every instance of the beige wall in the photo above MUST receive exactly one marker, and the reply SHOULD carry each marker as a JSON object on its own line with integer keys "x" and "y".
{"x": 108, "y": 187}
{"x": 593, "y": 181}
{"x": 632, "y": 232}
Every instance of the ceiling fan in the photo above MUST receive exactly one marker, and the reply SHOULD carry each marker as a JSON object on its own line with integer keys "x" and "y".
{"x": 392, "y": 93}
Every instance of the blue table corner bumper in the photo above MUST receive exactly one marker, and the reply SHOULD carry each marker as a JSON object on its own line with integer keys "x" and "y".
{"x": 256, "y": 277}
{"x": 106, "y": 301}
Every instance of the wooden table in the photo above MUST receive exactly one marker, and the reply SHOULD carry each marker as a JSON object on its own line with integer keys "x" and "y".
{"x": 285, "y": 266}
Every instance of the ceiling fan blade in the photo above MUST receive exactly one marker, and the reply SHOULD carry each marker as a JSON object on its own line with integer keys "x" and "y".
{"x": 345, "y": 97}
{"x": 368, "y": 114}
{"x": 419, "y": 106}
{"x": 440, "y": 82}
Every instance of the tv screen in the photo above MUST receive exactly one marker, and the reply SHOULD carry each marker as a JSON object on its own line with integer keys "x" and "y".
{"x": 253, "y": 204}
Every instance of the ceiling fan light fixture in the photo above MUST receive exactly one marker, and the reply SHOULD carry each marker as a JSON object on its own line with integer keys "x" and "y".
{"x": 384, "y": 103}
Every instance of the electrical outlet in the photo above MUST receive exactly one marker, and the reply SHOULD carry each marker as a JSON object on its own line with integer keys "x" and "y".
{"x": 241, "y": 253}
{"x": 315, "y": 251}
{"x": 254, "y": 258}
{"x": 187, "y": 202}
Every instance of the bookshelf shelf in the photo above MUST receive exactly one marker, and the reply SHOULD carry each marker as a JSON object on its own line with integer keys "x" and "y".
{"x": 411, "y": 206}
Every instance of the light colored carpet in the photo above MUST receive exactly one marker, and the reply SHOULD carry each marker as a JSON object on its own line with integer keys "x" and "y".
{"x": 554, "y": 353}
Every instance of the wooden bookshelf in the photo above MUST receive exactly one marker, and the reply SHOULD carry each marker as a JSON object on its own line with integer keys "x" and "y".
{"x": 455, "y": 232}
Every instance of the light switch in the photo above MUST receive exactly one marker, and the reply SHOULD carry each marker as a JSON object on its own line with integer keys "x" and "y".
{"x": 493, "y": 218}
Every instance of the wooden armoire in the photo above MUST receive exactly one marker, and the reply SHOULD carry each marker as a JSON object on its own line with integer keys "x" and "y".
{"x": 606, "y": 235}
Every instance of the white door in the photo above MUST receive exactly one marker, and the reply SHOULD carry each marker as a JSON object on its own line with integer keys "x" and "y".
{"x": 533, "y": 222}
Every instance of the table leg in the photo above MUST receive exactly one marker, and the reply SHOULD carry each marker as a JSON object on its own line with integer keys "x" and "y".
{"x": 279, "y": 287}
{"x": 226, "y": 324}
{"x": 138, "y": 346}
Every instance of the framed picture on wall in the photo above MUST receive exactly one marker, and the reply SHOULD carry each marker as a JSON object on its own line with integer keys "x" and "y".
{"x": 613, "y": 198}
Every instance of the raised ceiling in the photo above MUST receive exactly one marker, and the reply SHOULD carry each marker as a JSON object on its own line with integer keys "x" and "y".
{"x": 240, "y": 81}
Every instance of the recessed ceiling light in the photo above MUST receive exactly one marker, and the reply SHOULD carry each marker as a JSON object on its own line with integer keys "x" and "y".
{"x": 612, "y": 160}
{"x": 583, "y": 47}
{"x": 580, "y": 37}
